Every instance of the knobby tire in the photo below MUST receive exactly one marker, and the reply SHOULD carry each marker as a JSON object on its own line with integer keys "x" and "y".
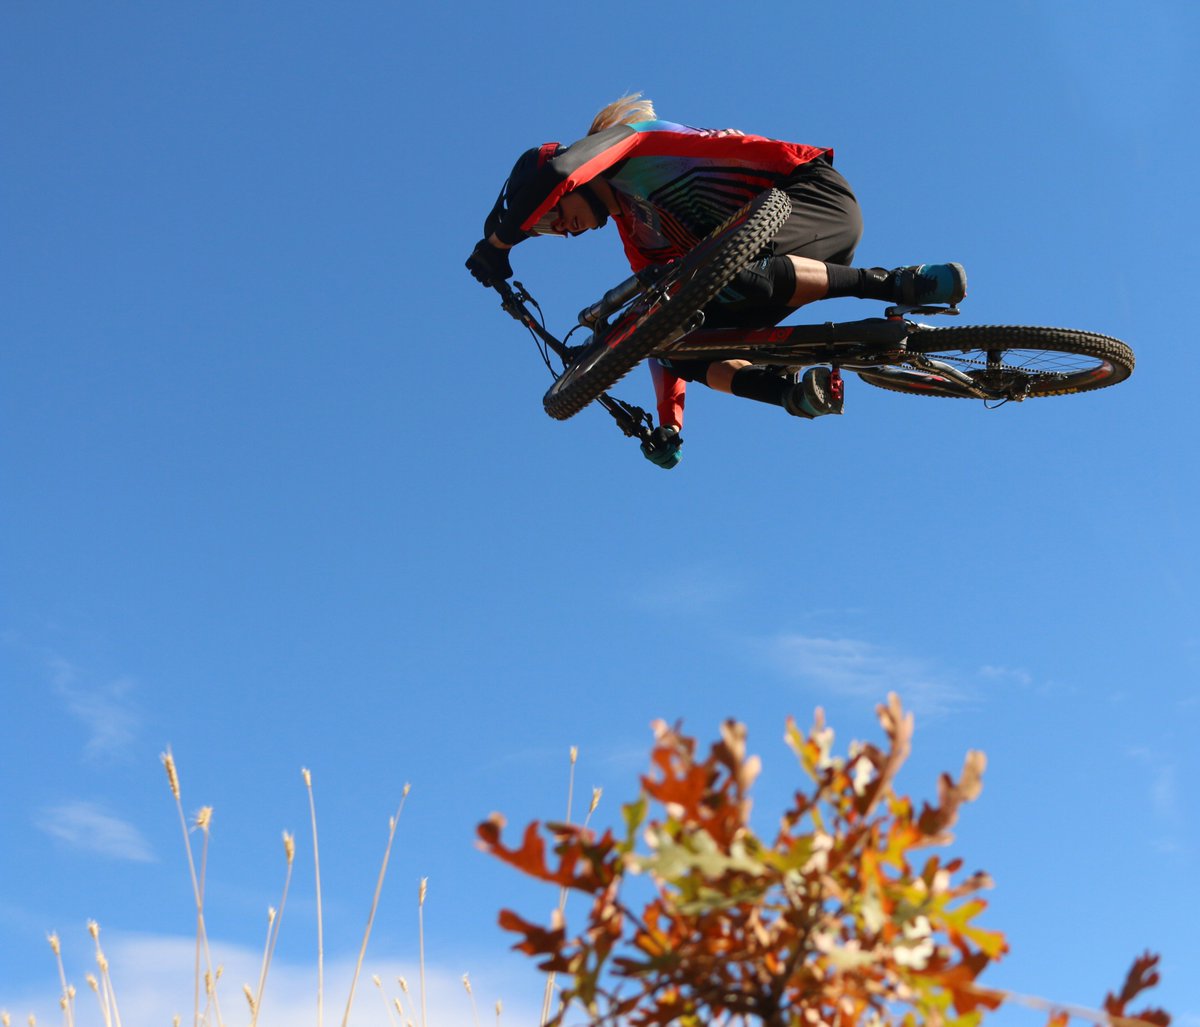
{"x": 1040, "y": 361}
{"x": 670, "y": 308}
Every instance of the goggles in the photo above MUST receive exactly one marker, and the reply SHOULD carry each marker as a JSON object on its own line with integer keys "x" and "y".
{"x": 545, "y": 225}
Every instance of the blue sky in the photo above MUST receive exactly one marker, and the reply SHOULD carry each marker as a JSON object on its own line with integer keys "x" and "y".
{"x": 279, "y": 493}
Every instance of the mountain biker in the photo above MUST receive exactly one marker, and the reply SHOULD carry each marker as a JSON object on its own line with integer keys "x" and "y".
{"x": 667, "y": 186}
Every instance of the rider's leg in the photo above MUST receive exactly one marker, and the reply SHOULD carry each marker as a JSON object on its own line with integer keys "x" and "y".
{"x": 720, "y": 375}
{"x": 737, "y": 377}
{"x": 812, "y": 280}
{"x": 815, "y": 394}
{"x": 825, "y": 226}
{"x": 923, "y": 283}
{"x": 812, "y": 396}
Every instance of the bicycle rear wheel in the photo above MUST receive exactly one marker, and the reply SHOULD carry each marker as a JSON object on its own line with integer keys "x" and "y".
{"x": 1007, "y": 362}
{"x": 668, "y": 309}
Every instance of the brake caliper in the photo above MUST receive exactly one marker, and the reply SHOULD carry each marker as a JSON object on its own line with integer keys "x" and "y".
{"x": 836, "y": 385}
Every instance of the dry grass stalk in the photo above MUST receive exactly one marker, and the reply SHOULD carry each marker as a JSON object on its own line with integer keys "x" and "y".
{"x": 203, "y": 821}
{"x": 421, "y": 945}
{"x": 312, "y": 809}
{"x": 208, "y": 991}
{"x": 408, "y": 1020}
{"x": 168, "y": 761}
{"x": 262, "y": 970}
{"x": 499, "y": 1006}
{"x": 362, "y": 952}
{"x": 470, "y": 994}
{"x": 66, "y": 1002}
{"x": 562, "y": 892}
{"x": 274, "y": 921}
{"x": 210, "y": 995}
{"x": 383, "y": 994}
{"x": 112, "y": 1015}
{"x": 95, "y": 986}
{"x": 1095, "y": 1016}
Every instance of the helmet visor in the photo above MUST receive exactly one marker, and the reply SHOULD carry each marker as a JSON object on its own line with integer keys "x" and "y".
{"x": 550, "y": 223}
{"x": 553, "y": 222}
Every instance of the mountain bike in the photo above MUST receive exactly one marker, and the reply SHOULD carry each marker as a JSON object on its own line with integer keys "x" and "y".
{"x": 659, "y": 312}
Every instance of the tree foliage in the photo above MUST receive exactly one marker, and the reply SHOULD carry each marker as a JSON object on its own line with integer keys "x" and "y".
{"x": 842, "y": 919}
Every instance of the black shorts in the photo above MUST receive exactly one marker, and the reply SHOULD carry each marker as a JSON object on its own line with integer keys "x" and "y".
{"x": 825, "y": 224}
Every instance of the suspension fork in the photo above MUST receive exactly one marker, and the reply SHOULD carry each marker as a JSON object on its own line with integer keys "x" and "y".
{"x": 597, "y": 314}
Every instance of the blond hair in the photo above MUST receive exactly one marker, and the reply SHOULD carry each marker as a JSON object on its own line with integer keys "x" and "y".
{"x": 625, "y": 111}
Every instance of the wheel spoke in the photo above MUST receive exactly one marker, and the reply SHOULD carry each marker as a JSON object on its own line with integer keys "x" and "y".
{"x": 1009, "y": 362}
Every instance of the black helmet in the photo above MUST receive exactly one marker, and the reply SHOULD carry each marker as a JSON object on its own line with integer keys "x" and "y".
{"x": 523, "y": 177}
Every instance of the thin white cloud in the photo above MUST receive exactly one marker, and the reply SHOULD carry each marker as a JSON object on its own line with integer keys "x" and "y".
{"x": 694, "y": 589}
{"x": 1006, "y": 675}
{"x": 153, "y": 979}
{"x": 106, "y": 711}
{"x": 860, "y": 669}
{"x": 1163, "y": 798}
{"x": 90, "y": 827}
{"x": 1164, "y": 794}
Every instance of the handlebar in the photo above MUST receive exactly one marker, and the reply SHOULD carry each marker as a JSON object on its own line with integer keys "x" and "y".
{"x": 515, "y": 300}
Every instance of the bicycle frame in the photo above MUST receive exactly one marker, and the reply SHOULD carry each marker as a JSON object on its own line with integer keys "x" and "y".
{"x": 867, "y": 344}
{"x": 870, "y": 343}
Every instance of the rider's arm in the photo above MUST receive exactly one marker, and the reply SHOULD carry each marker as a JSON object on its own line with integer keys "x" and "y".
{"x": 670, "y": 391}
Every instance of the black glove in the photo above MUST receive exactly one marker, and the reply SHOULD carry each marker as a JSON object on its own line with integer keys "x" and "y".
{"x": 489, "y": 263}
{"x": 662, "y": 447}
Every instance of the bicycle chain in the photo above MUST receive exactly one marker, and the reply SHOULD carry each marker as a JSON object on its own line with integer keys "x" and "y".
{"x": 1032, "y": 372}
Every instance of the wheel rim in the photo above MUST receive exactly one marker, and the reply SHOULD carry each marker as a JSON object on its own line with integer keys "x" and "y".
{"x": 1034, "y": 372}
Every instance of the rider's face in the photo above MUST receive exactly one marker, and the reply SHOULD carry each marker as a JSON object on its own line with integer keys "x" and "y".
{"x": 574, "y": 215}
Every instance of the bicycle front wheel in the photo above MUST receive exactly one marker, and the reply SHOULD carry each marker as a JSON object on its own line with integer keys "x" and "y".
{"x": 1007, "y": 362}
{"x": 668, "y": 309}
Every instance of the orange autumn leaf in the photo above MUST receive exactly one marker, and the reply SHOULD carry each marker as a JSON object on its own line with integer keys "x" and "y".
{"x": 1142, "y": 975}
{"x": 530, "y": 857}
{"x": 538, "y": 940}
{"x": 828, "y": 923}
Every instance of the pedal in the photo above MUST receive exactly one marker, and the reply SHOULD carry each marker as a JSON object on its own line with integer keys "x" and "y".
{"x": 894, "y": 313}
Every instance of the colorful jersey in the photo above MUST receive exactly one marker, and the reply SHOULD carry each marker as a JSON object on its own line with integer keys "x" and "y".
{"x": 674, "y": 185}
